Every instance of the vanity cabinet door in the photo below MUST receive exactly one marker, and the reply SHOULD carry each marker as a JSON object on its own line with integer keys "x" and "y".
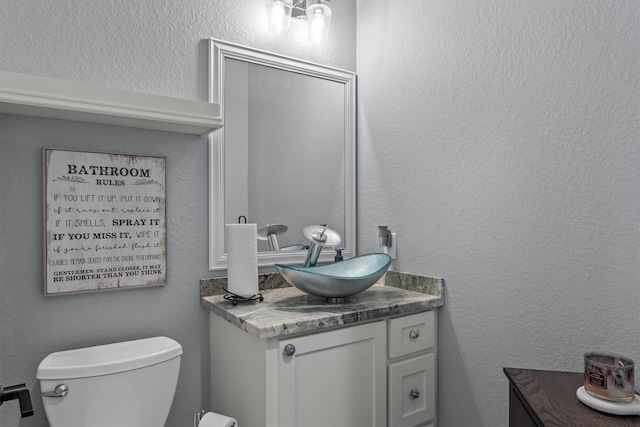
{"x": 334, "y": 378}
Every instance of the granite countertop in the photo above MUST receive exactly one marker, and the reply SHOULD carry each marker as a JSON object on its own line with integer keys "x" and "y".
{"x": 287, "y": 310}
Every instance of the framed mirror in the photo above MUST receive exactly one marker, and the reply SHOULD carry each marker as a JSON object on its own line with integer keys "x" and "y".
{"x": 286, "y": 156}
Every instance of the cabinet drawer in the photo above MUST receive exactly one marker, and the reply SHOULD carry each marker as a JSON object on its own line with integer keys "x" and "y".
{"x": 412, "y": 333}
{"x": 412, "y": 391}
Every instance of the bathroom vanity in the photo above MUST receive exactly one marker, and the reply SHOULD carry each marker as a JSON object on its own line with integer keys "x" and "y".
{"x": 298, "y": 360}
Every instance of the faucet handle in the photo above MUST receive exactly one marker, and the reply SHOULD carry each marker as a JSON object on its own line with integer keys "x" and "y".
{"x": 322, "y": 234}
{"x": 319, "y": 236}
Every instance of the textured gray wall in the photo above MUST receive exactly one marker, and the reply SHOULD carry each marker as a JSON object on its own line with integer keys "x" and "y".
{"x": 143, "y": 45}
{"x": 501, "y": 140}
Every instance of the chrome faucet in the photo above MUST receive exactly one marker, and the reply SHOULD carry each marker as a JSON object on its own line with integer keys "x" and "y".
{"x": 319, "y": 236}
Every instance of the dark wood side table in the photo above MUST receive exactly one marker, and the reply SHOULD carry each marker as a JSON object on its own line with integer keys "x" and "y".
{"x": 548, "y": 398}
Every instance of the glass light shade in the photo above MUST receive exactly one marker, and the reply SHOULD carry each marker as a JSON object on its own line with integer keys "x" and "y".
{"x": 318, "y": 21}
{"x": 279, "y": 12}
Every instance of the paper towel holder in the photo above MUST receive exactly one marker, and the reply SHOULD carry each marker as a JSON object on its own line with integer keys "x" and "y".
{"x": 235, "y": 299}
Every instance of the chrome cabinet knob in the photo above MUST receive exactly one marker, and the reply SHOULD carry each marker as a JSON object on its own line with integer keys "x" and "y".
{"x": 414, "y": 393}
{"x": 289, "y": 350}
{"x": 414, "y": 334}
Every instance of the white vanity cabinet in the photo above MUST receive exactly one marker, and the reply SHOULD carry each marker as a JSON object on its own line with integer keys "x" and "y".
{"x": 370, "y": 374}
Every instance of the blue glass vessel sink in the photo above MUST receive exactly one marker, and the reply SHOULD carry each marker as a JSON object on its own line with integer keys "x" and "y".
{"x": 340, "y": 279}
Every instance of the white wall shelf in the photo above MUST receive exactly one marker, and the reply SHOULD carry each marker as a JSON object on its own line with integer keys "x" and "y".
{"x": 59, "y": 99}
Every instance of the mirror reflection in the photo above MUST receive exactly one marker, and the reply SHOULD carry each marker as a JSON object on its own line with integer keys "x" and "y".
{"x": 284, "y": 144}
{"x": 285, "y": 158}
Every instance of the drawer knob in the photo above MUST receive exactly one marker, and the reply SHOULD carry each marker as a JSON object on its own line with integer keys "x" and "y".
{"x": 414, "y": 334}
{"x": 289, "y": 350}
{"x": 414, "y": 393}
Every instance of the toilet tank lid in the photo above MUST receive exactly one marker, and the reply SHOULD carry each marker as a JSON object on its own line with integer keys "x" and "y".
{"x": 108, "y": 359}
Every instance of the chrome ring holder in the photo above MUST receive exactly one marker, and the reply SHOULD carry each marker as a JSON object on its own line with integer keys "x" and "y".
{"x": 235, "y": 299}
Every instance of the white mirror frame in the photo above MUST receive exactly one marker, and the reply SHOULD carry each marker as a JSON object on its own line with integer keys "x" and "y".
{"x": 218, "y": 52}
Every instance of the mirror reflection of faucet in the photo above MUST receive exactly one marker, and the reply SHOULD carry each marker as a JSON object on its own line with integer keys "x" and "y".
{"x": 319, "y": 236}
{"x": 270, "y": 233}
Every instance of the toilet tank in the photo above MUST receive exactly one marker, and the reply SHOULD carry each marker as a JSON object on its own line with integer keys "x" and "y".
{"x": 125, "y": 384}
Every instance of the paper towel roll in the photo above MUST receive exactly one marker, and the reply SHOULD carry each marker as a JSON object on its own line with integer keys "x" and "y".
{"x": 211, "y": 419}
{"x": 242, "y": 259}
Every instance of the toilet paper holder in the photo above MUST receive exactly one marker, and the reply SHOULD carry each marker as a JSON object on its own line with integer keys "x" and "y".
{"x": 198, "y": 417}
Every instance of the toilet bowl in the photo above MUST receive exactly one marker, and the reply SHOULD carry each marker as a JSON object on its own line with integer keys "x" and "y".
{"x": 122, "y": 384}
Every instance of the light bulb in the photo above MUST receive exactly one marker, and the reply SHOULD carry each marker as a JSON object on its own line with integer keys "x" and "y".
{"x": 317, "y": 26}
{"x": 279, "y": 16}
{"x": 318, "y": 20}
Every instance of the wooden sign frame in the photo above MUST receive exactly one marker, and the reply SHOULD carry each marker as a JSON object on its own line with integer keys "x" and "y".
{"x": 104, "y": 221}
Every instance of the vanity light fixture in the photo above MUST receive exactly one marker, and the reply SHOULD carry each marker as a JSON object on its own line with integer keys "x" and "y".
{"x": 316, "y": 13}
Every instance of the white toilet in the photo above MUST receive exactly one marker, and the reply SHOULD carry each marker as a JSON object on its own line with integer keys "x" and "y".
{"x": 123, "y": 384}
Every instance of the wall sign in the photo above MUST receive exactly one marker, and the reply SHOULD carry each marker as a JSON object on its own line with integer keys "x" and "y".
{"x": 104, "y": 221}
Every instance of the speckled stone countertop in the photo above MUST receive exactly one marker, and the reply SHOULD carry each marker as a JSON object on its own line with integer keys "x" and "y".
{"x": 287, "y": 310}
